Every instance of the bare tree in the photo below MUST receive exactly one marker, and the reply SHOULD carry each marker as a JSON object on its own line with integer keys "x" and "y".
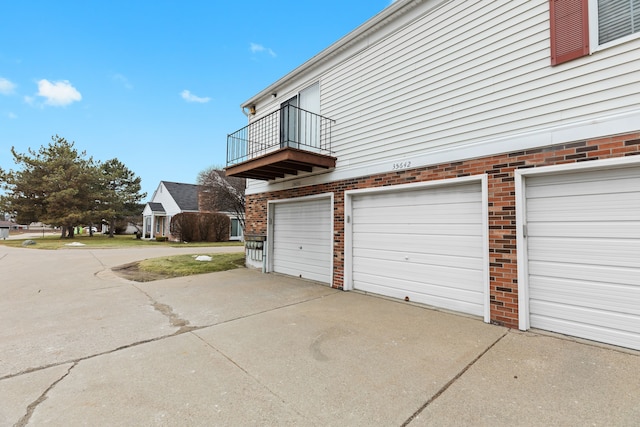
{"x": 222, "y": 193}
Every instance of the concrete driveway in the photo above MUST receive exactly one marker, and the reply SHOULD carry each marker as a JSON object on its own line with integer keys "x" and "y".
{"x": 81, "y": 346}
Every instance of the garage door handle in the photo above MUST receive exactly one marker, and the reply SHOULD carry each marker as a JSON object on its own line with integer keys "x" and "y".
{"x": 300, "y": 247}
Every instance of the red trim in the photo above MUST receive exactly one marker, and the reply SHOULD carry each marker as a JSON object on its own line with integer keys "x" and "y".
{"x": 569, "y": 25}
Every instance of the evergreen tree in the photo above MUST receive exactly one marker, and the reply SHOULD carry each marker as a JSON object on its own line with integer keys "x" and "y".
{"x": 59, "y": 186}
{"x": 121, "y": 196}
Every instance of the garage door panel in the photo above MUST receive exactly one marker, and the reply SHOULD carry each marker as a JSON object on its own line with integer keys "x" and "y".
{"x": 580, "y": 193}
{"x": 592, "y": 332}
{"x": 595, "y": 273}
{"x": 425, "y": 243}
{"x": 444, "y": 195}
{"x": 592, "y": 295}
{"x": 436, "y": 213}
{"x": 472, "y": 261}
{"x": 308, "y": 244}
{"x": 563, "y": 184}
{"x": 465, "y": 246}
{"x": 603, "y": 229}
{"x": 596, "y": 207}
{"x": 307, "y": 268}
{"x": 608, "y": 252}
{"x": 454, "y": 278}
{"x": 302, "y": 239}
{"x": 406, "y": 228}
{"x": 601, "y": 318}
{"x": 315, "y": 255}
{"x": 583, "y": 249}
{"x": 428, "y": 293}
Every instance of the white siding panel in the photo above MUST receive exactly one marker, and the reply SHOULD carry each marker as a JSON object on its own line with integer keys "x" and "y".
{"x": 425, "y": 244}
{"x": 583, "y": 248}
{"x": 302, "y": 239}
{"x": 468, "y": 71}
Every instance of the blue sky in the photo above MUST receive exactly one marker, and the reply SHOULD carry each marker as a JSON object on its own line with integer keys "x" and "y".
{"x": 157, "y": 84}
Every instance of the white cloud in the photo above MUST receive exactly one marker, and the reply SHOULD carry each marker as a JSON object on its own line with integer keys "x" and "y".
{"x": 189, "y": 97}
{"x": 258, "y": 48}
{"x": 57, "y": 94}
{"x": 12, "y": 116}
{"x": 6, "y": 86}
{"x": 122, "y": 80}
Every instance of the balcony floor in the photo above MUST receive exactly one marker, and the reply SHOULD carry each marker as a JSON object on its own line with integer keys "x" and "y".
{"x": 277, "y": 164}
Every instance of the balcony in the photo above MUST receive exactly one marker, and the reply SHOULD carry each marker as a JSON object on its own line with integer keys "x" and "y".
{"x": 286, "y": 142}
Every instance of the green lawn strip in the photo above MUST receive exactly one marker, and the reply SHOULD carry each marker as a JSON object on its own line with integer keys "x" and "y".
{"x": 186, "y": 265}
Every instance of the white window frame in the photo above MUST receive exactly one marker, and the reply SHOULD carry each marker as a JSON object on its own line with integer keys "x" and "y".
{"x": 239, "y": 229}
{"x": 594, "y": 45}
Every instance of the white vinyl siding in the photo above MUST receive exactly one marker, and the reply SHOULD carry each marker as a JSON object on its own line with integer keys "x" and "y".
{"x": 425, "y": 244}
{"x": 466, "y": 72}
{"x": 464, "y": 79}
{"x": 583, "y": 248}
{"x": 301, "y": 238}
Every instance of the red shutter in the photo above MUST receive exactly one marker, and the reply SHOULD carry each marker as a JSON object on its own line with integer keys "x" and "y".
{"x": 569, "y": 30}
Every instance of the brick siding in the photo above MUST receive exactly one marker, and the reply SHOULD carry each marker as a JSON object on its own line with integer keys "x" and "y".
{"x": 502, "y": 205}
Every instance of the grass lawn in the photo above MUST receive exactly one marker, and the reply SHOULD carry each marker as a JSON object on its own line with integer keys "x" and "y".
{"x": 101, "y": 241}
{"x": 149, "y": 269}
{"x": 187, "y": 265}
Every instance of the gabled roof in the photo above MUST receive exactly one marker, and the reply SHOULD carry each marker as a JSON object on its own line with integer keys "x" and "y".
{"x": 185, "y": 195}
{"x": 156, "y": 207}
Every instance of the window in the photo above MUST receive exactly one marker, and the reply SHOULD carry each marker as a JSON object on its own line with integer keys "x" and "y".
{"x": 579, "y": 27}
{"x": 617, "y": 19}
{"x": 236, "y": 229}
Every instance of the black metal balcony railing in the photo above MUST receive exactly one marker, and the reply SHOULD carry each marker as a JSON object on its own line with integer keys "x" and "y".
{"x": 288, "y": 127}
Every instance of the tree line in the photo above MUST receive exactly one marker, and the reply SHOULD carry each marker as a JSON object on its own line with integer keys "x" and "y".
{"x": 62, "y": 187}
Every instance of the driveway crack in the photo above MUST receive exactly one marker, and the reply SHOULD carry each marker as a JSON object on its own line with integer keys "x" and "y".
{"x": 453, "y": 380}
{"x": 167, "y": 310}
{"x": 33, "y": 405}
{"x": 234, "y": 363}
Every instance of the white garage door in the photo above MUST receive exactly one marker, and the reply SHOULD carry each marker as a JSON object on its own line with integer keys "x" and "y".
{"x": 425, "y": 244}
{"x": 302, "y": 239}
{"x": 583, "y": 245}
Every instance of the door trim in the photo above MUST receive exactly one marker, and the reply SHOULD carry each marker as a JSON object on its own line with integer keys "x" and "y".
{"x": 521, "y": 175}
{"x": 271, "y": 204}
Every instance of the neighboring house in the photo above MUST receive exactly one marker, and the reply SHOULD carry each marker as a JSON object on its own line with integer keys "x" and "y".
{"x": 170, "y": 199}
{"x": 475, "y": 156}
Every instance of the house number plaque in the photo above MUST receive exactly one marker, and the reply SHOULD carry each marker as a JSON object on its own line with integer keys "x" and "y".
{"x": 401, "y": 165}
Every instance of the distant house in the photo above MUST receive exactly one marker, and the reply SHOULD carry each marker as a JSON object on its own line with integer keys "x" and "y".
{"x": 173, "y": 198}
{"x": 478, "y": 156}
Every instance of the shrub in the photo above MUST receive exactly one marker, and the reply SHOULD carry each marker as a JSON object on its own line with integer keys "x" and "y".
{"x": 201, "y": 227}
